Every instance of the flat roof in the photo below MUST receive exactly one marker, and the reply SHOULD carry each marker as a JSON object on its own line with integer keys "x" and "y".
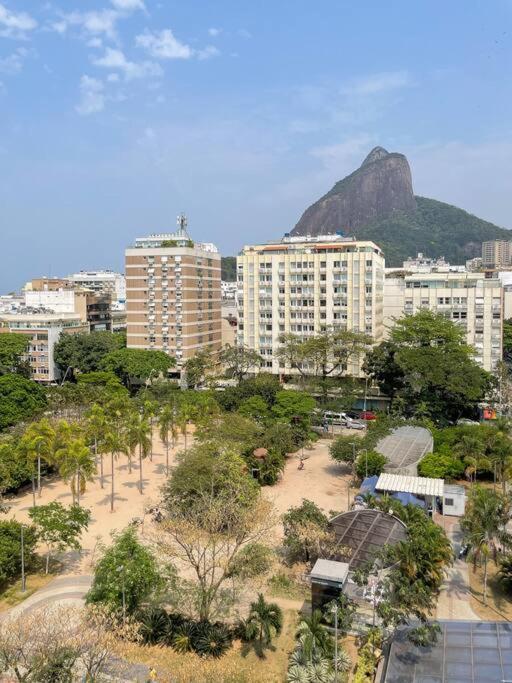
{"x": 361, "y": 534}
{"x": 405, "y": 446}
{"x": 330, "y": 570}
{"x": 465, "y": 652}
{"x": 422, "y": 486}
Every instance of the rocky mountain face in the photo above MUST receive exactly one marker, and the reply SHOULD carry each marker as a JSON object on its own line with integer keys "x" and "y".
{"x": 380, "y": 186}
{"x": 376, "y": 202}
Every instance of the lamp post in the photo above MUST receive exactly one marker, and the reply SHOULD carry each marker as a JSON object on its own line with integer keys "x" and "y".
{"x": 23, "y": 577}
{"x": 335, "y": 612}
{"x": 365, "y": 450}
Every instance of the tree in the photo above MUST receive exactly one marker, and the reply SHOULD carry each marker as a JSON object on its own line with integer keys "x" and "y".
{"x": 115, "y": 443}
{"x": 254, "y": 408}
{"x": 10, "y": 548}
{"x": 96, "y": 428}
{"x": 198, "y": 366}
{"x": 15, "y": 469}
{"x": 37, "y": 443}
{"x": 344, "y": 449}
{"x": 213, "y": 512}
{"x": 127, "y": 574}
{"x": 135, "y": 366}
{"x": 58, "y": 527}
{"x": 294, "y": 407}
{"x": 470, "y": 449}
{"x": 499, "y": 454}
{"x": 265, "y": 621}
{"x": 20, "y": 400}
{"x": 12, "y": 349}
{"x": 433, "y": 366}
{"x": 239, "y": 360}
{"x": 484, "y": 526}
{"x": 370, "y": 463}
{"x": 306, "y": 532}
{"x": 314, "y": 638}
{"x": 323, "y": 355}
{"x": 186, "y": 412}
{"x": 441, "y": 465}
{"x": 85, "y": 352}
{"x": 142, "y": 438}
{"x": 76, "y": 464}
{"x": 167, "y": 424}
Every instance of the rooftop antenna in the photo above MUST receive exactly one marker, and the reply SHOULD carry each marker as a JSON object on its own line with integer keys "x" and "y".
{"x": 182, "y": 223}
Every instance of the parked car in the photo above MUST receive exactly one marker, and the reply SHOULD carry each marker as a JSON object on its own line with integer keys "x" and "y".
{"x": 333, "y": 418}
{"x": 367, "y": 415}
{"x": 353, "y": 414}
{"x": 354, "y": 424}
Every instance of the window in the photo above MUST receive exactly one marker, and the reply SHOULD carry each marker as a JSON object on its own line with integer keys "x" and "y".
{"x": 449, "y": 501}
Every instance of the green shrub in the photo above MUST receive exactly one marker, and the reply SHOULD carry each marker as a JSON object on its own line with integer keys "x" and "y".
{"x": 441, "y": 465}
{"x": 370, "y": 464}
{"x": 10, "y": 548}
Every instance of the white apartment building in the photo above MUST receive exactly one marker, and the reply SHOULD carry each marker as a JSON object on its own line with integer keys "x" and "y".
{"x": 101, "y": 281}
{"x": 469, "y": 299}
{"x": 305, "y": 285}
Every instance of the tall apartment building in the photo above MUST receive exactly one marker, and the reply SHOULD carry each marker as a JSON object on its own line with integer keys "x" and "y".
{"x": 496, "y": 253}
{"x": 44, "y": 331}
{"x": 305, "y": 285}
{"x": 469, "y": 299}
{"x": 173, "y": 294}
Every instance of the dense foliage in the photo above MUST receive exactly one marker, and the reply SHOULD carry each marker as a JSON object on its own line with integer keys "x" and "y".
{"x": 10, "y": 548}
{"x": 20, "y": 399}
{"x": 12, "y": 348}
{"x": 135, "y": 366}
{"x": 84, "y": 352}
{"x": 228, "y": 268}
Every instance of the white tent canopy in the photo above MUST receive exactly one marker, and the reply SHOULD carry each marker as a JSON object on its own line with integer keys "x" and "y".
{"x": 420, "y": 486}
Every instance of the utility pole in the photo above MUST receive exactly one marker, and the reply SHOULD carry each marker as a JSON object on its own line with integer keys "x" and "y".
{"x": 23, "y": 578}
{"x": 335, "y": 610}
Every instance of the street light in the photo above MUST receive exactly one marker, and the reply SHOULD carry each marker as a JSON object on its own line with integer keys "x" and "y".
{"x": 335, "y": 612}
{"x": 365, "y": 451}
{"x": 23, "y": 577}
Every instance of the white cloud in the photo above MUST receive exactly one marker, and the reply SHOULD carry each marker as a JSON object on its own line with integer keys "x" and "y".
{"x": 214, "y": 32}
{"x": 15, "y": 24}
{"x": 115, "y": 59}
{"x": 163, "y": 45}
{"x": 208, "y": 52}
{"x": 102, "y": 22}
{"x": 128, "y": 5}
{"x": 92, "y": 96}
{"x": 14, "y": 62}
{"x": 378, "y": 83}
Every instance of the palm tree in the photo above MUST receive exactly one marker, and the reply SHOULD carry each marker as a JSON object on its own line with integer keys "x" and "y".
{"x": 76, "y": 464}
{"x": 186, "y": 413}
{"x": 484, "y": 526}
{"x": 96, "y": 427}
{"x": 115, "y": 443}
{"x": 141, "y": 435}
{"x": 500, "y": 453}
{"x": 265, "y": 621}
{"x": 314, "y": 638}
{"x": 148, "y": 411}
{"x": 167, "y": 430}
{"x": 41, "y": 436}
{"x": 471, "y": 449}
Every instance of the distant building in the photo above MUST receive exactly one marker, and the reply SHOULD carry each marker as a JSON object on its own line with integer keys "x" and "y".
{"x": 44, "y": 331}
{"x": 423, "y": 264}
{"x": 305, "y": 285}
{"x": 93, "y": 307}
{"x": 101, "y": 281}
{"x": 475, "y": 264}
{"x": 496, "y": 253}
{"x": 228, "y": 290}
{"x": 472, "y": 300}
{"x": 173, "y": 294}
{"x": 229, "y": 323}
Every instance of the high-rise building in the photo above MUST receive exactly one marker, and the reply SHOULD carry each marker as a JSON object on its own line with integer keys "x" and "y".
{"x": 472, "y": 300}
{"x": 173, "y": 294}
{"x": 44, "y": 331}
{"x": 496, "y": 253}
{"x": 306, "y": 285}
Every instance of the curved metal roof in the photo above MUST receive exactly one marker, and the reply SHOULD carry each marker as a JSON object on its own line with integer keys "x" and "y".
{"x": 405, "y": 447}
{"x": 365, "y": 533}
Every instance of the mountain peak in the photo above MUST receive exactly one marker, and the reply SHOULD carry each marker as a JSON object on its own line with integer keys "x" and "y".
{"x": 376, "y": 154}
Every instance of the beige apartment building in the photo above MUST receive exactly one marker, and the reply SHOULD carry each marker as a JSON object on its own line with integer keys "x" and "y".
{"x": 305, "y": 285}
{"x": 496, "y": 253}
{"x": 173, "y": 294}
{"x": 44, "y": 331}
{"x": 469, "y": 299}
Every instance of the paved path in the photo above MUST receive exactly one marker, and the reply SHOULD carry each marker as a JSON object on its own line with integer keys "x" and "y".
{"x": 63, "y": 590}
{"x": 454, "y": 600}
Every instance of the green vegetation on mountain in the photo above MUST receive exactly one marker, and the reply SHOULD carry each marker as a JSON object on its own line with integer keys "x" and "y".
{"x": 434, "y": 228}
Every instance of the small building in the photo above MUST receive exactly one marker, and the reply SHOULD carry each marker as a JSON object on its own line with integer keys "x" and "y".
{"x": 327, "y": 580}
{"x": 427, "y": 488}
{"x": 454, "y": 501}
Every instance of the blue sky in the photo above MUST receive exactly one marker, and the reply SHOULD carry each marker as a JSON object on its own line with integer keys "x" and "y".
{"x": 116, "y": 115}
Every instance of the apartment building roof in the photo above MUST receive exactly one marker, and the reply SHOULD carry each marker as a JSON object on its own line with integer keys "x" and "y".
{"x": 313, "y": 243}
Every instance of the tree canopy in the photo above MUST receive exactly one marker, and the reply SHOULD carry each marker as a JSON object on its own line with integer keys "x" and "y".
{"x": 12, "y": 348}
{"x": 84, "y": 352}
{"x": 136, "y": 365}
{"x": 20, "y": 399}
{"x": 428, "y": 365}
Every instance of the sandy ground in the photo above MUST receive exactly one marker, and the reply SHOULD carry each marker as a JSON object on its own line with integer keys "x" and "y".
{"x": 129, "y": 503}
{"x": 322, "y": 481}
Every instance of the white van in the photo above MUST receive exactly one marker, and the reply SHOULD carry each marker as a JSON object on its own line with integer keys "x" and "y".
{"x": 333, "y": 418}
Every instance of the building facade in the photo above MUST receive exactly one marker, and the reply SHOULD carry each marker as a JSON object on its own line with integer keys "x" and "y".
{"x": 306, "y": 285}
{"x": 496, "y": 253}
{"x": 471, "y": 300}
{"x": 44, "y": 331}
{"x": 94, "y": 307}
{"x": 101, "y": 281}
{"x": 173, "y": 294}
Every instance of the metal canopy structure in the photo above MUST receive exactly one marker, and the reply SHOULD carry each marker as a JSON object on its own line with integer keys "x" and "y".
{"x": 465, "y": 652}
{"x": 361, "y": 534}
{"x": 404, "y": 448}
{"x": 420, "y": 486}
